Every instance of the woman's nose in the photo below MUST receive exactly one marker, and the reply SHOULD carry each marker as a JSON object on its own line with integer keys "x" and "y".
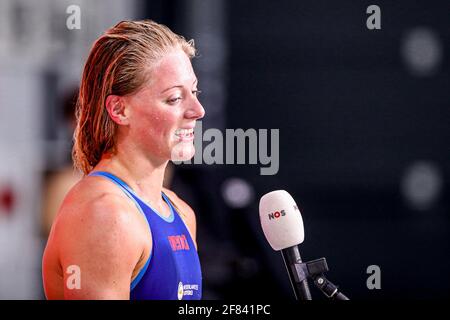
{"x": 196, "y": 110}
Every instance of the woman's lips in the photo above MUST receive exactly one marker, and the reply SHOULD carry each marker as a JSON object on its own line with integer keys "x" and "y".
{"x": 184, "y": 134}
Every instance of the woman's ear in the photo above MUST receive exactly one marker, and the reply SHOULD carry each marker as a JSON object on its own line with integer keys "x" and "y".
{"x": 117, "y": 109}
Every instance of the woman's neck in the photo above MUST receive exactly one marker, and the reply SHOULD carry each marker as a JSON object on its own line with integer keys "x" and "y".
{"x": 145, "y": 176}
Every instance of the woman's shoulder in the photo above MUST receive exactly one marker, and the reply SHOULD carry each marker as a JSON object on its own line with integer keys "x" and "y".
{"x": 180, "y": 204}
{"x": 97, "y": 203}
{"x": 95, "y": 231}
{"x": 94, "y": 191}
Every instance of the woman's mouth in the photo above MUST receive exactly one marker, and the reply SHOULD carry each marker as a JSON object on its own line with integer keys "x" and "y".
{"x": 184, "y": 134}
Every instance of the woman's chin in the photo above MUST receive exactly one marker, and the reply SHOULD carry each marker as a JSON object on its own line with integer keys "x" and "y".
{"x": 182, "y": 151}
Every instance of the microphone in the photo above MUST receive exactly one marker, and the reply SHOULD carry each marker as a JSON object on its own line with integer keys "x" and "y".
{"x": 282, "y": 225}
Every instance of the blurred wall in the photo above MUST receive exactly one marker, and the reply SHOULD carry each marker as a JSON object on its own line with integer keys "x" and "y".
{"x": 364, "y": 132}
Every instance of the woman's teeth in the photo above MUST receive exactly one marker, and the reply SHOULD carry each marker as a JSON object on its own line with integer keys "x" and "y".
{"x": 184, "y": 133}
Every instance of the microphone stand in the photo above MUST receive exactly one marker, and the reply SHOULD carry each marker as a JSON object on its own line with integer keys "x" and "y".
{"x": 315, "y": 270}
{"x": 297, "y": 276}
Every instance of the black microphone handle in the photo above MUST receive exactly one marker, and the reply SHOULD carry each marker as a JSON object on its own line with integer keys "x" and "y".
{"x": 291, "y": 256}
{"x": 341, "y": 296}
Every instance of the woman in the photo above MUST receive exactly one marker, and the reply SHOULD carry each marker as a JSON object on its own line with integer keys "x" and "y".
{"x": 119, "y": 234}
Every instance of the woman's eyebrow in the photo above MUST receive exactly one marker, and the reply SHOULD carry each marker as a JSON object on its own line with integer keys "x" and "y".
{"x": 179, "y": 86}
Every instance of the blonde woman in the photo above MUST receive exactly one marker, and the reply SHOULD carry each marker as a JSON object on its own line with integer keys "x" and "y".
{"x": 119, "y": 234}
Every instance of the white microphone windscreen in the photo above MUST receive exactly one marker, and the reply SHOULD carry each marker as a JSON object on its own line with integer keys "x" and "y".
{"x": 281, "y": 220}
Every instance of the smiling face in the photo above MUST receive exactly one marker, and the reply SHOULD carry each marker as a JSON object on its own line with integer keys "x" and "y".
{"x": 161, "y": 116}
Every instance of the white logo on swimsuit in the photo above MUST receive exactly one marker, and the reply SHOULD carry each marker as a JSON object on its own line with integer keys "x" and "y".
{"x": 180, "y": 290}
{"x": 188, "y": 289}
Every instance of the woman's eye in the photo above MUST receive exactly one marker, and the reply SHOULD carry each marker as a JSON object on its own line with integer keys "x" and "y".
{"x": 196, "y": 92}
{"x": 173, "y": 100}
{"x": 176, "y": 99}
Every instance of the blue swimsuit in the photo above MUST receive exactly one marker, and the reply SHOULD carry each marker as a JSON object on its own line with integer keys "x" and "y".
{"x": 173, "y": 269}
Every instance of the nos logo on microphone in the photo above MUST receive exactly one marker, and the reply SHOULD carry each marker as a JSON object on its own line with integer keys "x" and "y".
{"x": 276, "y": 214}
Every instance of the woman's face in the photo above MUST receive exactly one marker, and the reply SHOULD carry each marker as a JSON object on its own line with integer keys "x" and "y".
{"x": 163, "y": 113}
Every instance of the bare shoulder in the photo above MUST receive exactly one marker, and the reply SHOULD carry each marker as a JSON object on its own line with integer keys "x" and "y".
{"x": 92, "y": 230}
{"x": 97, "y": 212}
{"x": 96, "y": 201}
{"x": 185, "y": 211}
